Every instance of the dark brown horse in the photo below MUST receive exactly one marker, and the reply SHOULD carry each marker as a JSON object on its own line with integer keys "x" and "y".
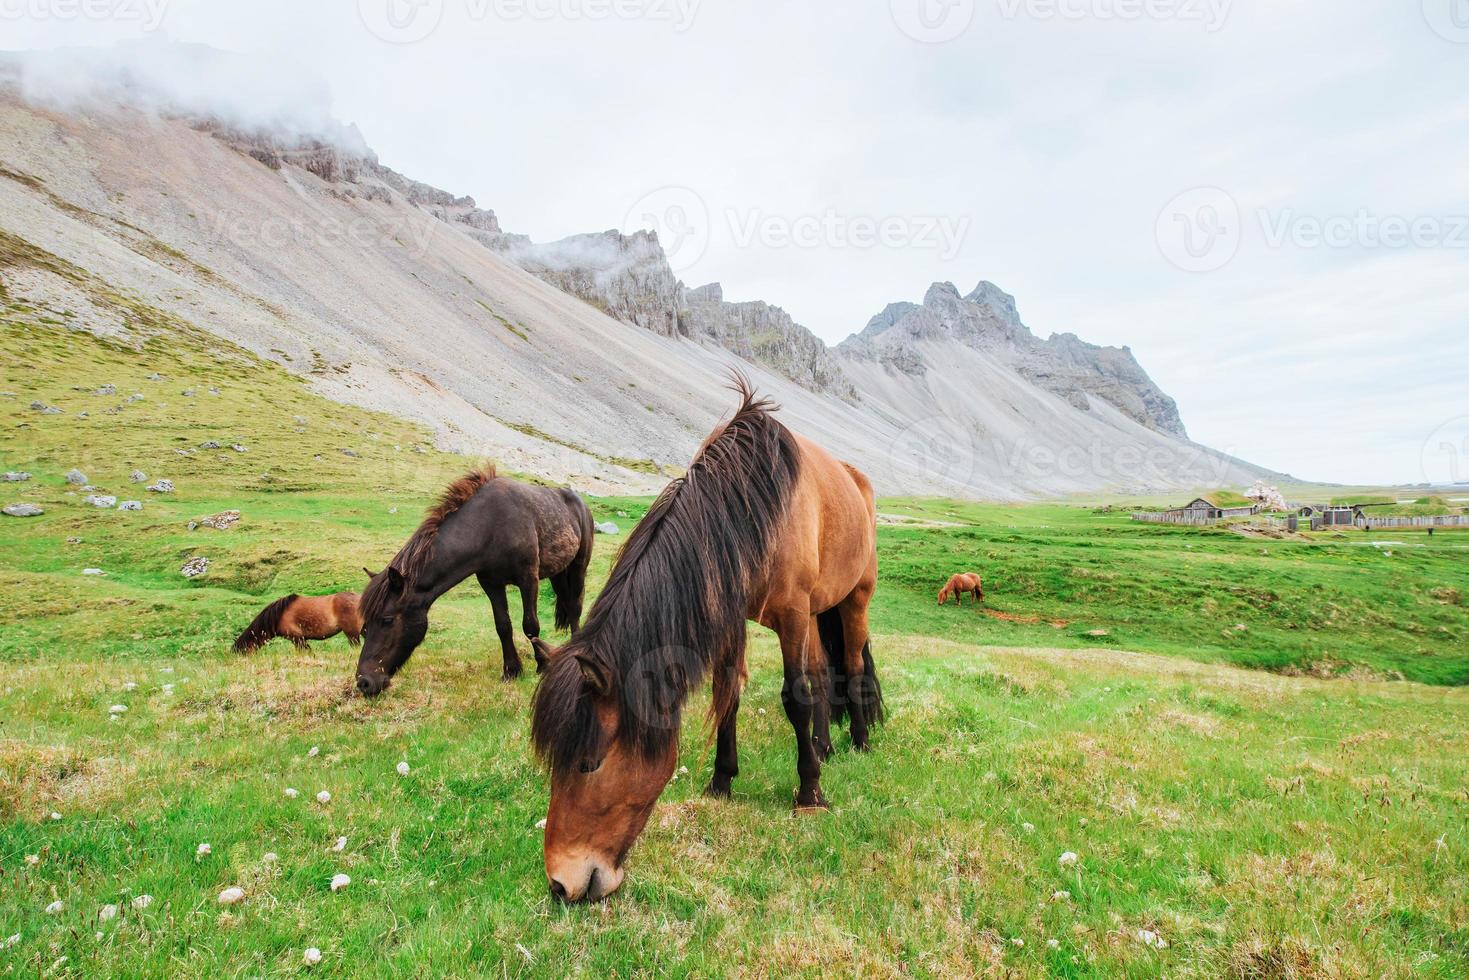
{"x": 765, "y": 526}
{"x": 499, "y": 530}
{"x": 960, "y": 585}
{"x": 301, "y": 618}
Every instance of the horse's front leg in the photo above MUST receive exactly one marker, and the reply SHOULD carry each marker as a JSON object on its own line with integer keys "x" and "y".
{"x": 799, "y": 696}
{"x": 501, "y": 605}
{"x": 728, "y": 684}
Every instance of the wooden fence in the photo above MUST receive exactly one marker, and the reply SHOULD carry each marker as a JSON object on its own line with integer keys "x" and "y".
{"x": 1189, "y": 517}
{"x": 1441, "y": 520}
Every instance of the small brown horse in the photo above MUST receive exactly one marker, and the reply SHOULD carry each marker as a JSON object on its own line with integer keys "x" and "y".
{"x": 499, "y": 530}
{"x": 301, "y": 618}
{"x": 765, "y": 526}
{"x": 958, "y": 585}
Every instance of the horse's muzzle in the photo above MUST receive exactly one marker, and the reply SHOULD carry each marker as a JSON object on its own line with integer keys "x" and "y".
{"x": 371, "y": 687}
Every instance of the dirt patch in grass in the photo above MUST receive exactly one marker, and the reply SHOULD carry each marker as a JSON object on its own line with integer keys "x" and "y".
{"x": 1059, "y": 624}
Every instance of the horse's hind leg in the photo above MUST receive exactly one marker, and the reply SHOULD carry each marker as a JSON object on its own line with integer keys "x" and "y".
{"x": 530, "y": 594}
{"x": 821, "y": 681}
{"x": 506, "y": 631}
{"x": 855, "y": 636}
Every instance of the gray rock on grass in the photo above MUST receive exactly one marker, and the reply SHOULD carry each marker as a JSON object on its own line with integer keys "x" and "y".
{"x": 195, "y": 567}
{"x": 101, "y": 500}
{"x": 23, "y": 510}
{"x": 20, "y": 477}
{"x": 162, "y": 486}
{"x": 76, "y": 478}
{"x": 130, "y": 505}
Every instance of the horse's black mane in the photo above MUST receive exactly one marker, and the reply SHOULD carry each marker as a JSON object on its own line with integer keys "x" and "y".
{"x": 266, "y": 626}
{"x": 676, "y": 600}
{"x": 410, "y": 559}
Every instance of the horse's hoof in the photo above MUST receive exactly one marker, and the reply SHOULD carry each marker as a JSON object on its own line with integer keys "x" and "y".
{"x": 716, "y": 792}
{"x": 512, "y": 675}
{"x": 817, "y": 804}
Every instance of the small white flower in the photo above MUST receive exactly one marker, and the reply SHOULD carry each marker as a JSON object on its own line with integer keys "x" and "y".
{"x": 1150, "y": 938}
{"x": 1053, "y": 944}
{"x": 118, "y": 709}
{"x": 1068, "y": 858}
{"x": 291, "y": 794}
{"x": 54, "y": 908}
{"x": 313, "y": 752}
{"x": 683, "y": 770}
{"x": 340, "y": 845}
{"x": 1029, "y": 828}
{"x": 142, "y": 902}
{"x": 339, "y": 882}
{"x": 33, "y": 859}
{"x": 270, "y": 857}
{"x": 323, "y": 797}
{"x": 107, "y": 912}
{"x": 541, "y": 824}
{"x": 312, "y": 956}
{"x": 1084, "y": 821}
{"x": 761, "y": 711}
{"x": 231, "y": 896}
{"x": 1017, "y": 942}
{"x": 403, "y": 769}
{"x": 13, "y": 940}
{"x": 203, "y": 850}
{"x": 55, "y": 815}
{"x": 168, "y": 689}
{"x": 1061, "y": 896}
{"x": 130, "y": 686}
{"x": 167, "y": 670}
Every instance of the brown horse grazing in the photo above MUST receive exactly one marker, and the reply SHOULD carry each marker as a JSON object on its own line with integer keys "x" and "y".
{"x": 765, "y": 526}
{"x": 958, "y": 585}
{"x": 499, "y": 530}
{"x": 302, "y": 618}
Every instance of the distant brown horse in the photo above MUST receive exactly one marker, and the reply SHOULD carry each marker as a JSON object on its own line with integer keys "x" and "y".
{"x": 958, "y": 585}
{"x": 301, "y": 618}
{"x": 765, "y": 526}
{"x": 499, "y": 530}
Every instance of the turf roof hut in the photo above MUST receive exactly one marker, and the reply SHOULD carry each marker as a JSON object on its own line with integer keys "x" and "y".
{"x": 1217, "y": 506}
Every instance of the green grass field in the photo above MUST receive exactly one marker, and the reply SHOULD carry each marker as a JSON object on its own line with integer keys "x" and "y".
{"x": 1256, "y": 748}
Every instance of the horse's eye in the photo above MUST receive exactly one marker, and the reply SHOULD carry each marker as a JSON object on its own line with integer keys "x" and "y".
{"x": 590, "y": 767}
{"x": 386, "y": 621}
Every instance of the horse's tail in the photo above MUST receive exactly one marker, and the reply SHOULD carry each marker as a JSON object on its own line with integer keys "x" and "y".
{"x": 833, "y": 640}
{"x": 265, "y": 627}
{"x": 570, "y": 586}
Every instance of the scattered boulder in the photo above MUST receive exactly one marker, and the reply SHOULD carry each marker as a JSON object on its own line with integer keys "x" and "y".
{"x": 106, "y": 390}
{"x": 239, "y": 448}
{"x": 188, "y": 392}
{"x": 213, "y": 390}
{"x": 136, "y": 396}
{"x": 162, "y": 486}
{"x": 138, "y": 476}
{"x": 76, "y": 478}
{"x": 93, "y": 571}
{"x": 130, "y": 505}
{"x": 23, "y": 510}
{"x": 222, "y": 521}
{"x": 606, "y": 527}
{"x": 211, "y": 444}
{"x": 155, "y": 376}
{"x": 51, "y": 410}
{"x": 17, "y": 477}
{"x": 349, "y": 452}
{"x": 195, "y": 567}
{"x": 101, "y": 500}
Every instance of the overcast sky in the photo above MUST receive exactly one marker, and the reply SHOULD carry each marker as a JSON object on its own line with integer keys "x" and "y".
{"x": 1268, "y": 200}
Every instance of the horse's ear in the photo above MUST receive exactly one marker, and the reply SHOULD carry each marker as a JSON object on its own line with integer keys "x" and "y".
{"x": 370, "y": 573}
{"x": 544, "y": 652}
{"x": 598, "y": 678}
{"x": 395, "y": 578}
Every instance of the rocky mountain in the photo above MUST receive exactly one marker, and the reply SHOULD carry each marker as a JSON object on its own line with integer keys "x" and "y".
{"x": 987, "y": 320}
{"x": 585, "y": 361}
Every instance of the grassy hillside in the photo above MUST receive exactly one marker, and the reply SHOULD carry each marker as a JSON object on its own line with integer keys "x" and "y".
{"x": 1261, "y": 824}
